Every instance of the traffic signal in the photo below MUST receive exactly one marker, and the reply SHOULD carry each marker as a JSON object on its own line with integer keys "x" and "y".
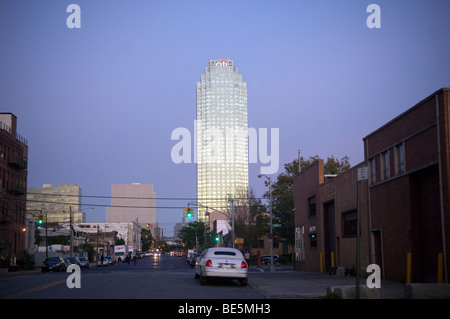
{"x": 217, "y": 239}
{"x": 40, "y": 219}
{"x": 188, "y": 212}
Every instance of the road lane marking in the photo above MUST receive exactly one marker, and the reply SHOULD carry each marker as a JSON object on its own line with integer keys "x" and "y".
{"x": 17, "y": 295}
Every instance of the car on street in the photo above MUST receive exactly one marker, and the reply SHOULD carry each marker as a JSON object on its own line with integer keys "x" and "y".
{"x": 266, "y": 259}
{"x": 84, "y": 262}
{"x": 73, "y": 260}
{"x": 102, "y": 261}
{"x": 111, "y": 261}
{"x": 221, "y": 262}
{"x": 54, "y": 264}
{"x": 192, "y": 259}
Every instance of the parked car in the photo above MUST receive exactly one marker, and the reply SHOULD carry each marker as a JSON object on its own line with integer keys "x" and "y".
{"x": 266, "y": 259}
{"x": 221, "y": 262}
{"x": 111, "y": 261}
{"x": 84, "y": 262}
{"x": 66, "y": 261}
{"x": 103, "y": 262}
{"x": 191, "y": 259}
{"x": 73, "y": 260}
{"x": 54, "y": 264}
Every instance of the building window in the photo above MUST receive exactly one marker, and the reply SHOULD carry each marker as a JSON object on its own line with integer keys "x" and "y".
{"x": 312, "y": 206}
{"x": 385, "y": 165}
{"x": 275, "y": 242}
{"x": 373, "y": 171}
{"x": 400, "y": 158}
{"x": 349, "y": 224}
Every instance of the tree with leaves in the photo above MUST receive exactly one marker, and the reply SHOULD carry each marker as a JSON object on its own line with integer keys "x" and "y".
{"x": 283, "y": 192}
{"x": 251, "y": 221}
{"x": 194, "y": 232}
{"x": 146, "y": 239}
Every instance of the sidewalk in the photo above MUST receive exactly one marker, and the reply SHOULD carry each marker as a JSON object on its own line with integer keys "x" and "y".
{"x": 289, "y": 284}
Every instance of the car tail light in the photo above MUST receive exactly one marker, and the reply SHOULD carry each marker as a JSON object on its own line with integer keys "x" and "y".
{"x": 244, "y": 264}
{"x": 208, "y": 263}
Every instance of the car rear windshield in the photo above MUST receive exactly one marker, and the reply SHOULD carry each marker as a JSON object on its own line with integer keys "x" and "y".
{"x": 225, "y": 253}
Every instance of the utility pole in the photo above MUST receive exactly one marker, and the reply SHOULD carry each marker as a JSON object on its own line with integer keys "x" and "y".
{"x": 71, "y": 232}
{"x": 271, "y": 217}
{"x": 231, "y": 199}
{"x": 97, "y": 241}
{"x": 46, "y": 236}
{"x": 362, "y": 176}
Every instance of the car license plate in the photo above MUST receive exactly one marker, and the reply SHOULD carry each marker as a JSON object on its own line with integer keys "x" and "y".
{"x": 226, "y": 266}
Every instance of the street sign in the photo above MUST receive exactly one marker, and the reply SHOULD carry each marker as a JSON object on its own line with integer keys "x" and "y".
{"x": 276, "y": 225}
{"x": 363, "y": 173}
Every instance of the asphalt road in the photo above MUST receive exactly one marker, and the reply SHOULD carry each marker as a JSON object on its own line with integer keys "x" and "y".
{"x": 164, "y": 277}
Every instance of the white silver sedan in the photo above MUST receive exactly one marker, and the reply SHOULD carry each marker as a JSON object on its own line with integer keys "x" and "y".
{"x": 221, "y": 262}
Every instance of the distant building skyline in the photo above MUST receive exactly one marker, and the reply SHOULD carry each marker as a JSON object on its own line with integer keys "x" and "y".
{"x": 222, "y": 144}
{"x": 133, "y": 203}
{"x": 57, "y": 202}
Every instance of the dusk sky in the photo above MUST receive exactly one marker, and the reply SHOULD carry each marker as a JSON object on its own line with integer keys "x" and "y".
{"x": 98, "y": 104}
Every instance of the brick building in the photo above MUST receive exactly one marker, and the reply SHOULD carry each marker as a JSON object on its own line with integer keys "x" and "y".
{"x": 325, "y": 219}
{"x": 404, "y": 204}
{"x": 409, "y": 189}
{"x": 13, "y": 186}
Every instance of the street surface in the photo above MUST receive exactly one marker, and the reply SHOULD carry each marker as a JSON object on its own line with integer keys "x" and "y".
{"x": 162, "y": 277}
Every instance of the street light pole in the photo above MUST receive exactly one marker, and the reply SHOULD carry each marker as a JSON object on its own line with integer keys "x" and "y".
{"x": 271, "y": 217}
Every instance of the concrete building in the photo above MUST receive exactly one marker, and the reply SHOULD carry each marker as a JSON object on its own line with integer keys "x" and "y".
{"x": 134, "y": 203}
{"x": 222, "y": 143}
{"x": 13, "y": 187}
{"x": 57, "y": 202}
{"x": 404, "y": 203}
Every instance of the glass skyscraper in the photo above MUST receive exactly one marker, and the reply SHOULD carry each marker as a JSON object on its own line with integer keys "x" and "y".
{"x": 57, "y": 202}
{"x": 222, "y": 142}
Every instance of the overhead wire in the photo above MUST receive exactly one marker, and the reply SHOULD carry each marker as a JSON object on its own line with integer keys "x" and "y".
{"x": 129, "y": 198}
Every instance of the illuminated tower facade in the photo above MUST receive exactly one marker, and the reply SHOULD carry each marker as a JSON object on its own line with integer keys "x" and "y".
{"x": 221, "y": 136}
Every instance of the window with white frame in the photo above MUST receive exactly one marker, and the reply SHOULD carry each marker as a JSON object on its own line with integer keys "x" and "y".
{"x": 385, "y": 164}
{"x": 400, "y": 158}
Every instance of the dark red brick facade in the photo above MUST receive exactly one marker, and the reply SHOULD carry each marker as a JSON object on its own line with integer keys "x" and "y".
{"x": 13, "y": 186}
{"x": 404, "y": 203}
